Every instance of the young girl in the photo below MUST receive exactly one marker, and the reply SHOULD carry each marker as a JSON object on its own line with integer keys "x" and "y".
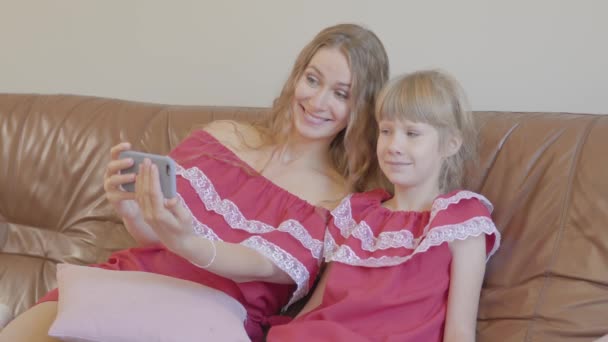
{"x": 408, "y": 266}
{"x": 245, "y": 222}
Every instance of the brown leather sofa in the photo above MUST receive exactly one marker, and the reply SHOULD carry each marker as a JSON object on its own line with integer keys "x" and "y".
{"x": 544, "y": 172}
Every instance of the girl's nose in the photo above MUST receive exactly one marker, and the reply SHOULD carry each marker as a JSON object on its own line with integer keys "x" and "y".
{"x": 395, "y": 146}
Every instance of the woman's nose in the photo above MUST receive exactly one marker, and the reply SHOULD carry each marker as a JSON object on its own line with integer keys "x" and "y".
{"x": 320, "y": 99}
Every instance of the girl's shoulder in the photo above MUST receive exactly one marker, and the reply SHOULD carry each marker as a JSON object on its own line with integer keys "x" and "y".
{"x": 459, "y": 215}
{"x": 460, "y": 205}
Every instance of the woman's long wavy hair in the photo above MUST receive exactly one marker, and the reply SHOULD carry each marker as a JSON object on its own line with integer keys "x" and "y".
{"x": 352, "y": 151}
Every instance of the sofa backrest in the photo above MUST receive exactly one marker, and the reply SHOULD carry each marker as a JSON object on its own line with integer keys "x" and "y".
{"x": 544, "y": 173}
{"x": 53, "y": 154}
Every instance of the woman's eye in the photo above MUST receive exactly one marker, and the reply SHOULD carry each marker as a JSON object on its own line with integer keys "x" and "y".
{"x": 412, "y": 134}
{"x": 341, "y": 95}
{"x": 312, "y": 80}
{"x": 384, "y": 131}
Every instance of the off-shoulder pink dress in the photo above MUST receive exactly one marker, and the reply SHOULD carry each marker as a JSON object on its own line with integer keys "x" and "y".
{"x": 229, "y": 201}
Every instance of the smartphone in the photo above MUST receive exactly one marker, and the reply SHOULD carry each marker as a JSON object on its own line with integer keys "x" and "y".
{"x": 166, "y": 171}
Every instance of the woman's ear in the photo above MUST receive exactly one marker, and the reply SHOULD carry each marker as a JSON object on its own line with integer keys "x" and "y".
{"x": 453, "y": 145}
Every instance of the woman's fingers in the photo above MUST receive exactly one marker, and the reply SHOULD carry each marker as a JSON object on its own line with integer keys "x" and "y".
{"x": 116, "y": 196}
{"x": 144, "y": 193}
{"x": 114, "y": 182}
{"x": 115, "y": 166}
{"x": 116, "y": 149}
{"x": 156, "y": 195}
{"x": 178, "y": 210}
{"x": 152, "y": 202}
{"x": 139, "y": 189}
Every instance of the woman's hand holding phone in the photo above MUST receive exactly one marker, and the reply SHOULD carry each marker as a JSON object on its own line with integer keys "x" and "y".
{"x": 145, "y": 197}
{"x": 168, "y": 218}
{"x": 123, "y": 202}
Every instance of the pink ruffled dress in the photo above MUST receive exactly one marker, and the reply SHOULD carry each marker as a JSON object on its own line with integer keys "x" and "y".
{"x": 390, "y": 270}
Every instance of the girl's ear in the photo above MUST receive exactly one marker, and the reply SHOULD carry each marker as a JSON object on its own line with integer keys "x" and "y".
{"x": 453, "y": 145}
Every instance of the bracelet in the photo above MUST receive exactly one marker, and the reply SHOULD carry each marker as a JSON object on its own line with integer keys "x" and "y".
{"x": 212, "y": 257}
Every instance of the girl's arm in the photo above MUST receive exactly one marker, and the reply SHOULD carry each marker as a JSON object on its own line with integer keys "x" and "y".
{"x": 467, "y": 272}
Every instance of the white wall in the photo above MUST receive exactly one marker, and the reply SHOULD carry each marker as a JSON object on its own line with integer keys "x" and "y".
{"x": 529, "y": 55}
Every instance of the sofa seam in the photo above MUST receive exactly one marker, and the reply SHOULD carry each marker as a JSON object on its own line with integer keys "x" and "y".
{"x": 565, "y": 208}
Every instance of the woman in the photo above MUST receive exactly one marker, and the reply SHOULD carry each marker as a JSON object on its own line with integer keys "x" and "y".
{"x": 253, "y": 199}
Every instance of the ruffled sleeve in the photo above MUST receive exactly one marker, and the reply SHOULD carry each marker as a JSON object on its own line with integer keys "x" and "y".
{"x": 458, "y": 216}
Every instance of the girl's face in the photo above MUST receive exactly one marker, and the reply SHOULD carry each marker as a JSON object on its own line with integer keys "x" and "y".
{"x": 322, "y": 103}
{"x": 409, "y": 154}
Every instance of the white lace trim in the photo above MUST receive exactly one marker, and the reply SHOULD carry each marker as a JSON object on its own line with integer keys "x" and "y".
{"x": 344, "y": 221}
{"x": 199, "y": 228}
{"x": 396, "y": 239}
{"x": 236, "y": 220}
{"x": 285, "y": 261}
{"x": 437, "y": 235}
{"x": 282, "y": 259}
{"x": 443, "y": 203}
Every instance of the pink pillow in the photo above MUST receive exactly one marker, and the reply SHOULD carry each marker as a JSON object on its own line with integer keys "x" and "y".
{"x": 97, "y": 305}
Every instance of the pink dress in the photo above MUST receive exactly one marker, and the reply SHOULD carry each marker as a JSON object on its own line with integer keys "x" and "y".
{"x": 229, "y": 201}
{"x": 390, "y": 270}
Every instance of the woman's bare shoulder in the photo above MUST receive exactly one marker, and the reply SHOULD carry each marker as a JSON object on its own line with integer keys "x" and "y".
{"x": 234, "y": 134}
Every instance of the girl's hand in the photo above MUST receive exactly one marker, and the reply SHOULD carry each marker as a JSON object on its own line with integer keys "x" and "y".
{"x": 122, "y": 201}
{"x": 167, "y": 217}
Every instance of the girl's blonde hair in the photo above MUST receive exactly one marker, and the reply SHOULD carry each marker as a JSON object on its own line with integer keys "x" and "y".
{"x": 352, "y": 151}
{"x": 435, "y": 98}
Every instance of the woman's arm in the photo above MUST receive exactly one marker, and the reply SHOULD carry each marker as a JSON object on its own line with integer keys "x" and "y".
{"x": 141, "y": 232}
{"x": 233, "y": 261}
{"x": 467, "y": 272}
{"x": 172, "y": 224}
{"x": 229, "y": 132}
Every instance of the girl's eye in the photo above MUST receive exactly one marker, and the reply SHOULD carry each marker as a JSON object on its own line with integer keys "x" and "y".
{"x": 412, "y": 134}
{"x": 384, "y": 131}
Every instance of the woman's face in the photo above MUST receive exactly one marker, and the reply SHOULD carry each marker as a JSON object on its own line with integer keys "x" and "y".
{"x": 322, "y": 96}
